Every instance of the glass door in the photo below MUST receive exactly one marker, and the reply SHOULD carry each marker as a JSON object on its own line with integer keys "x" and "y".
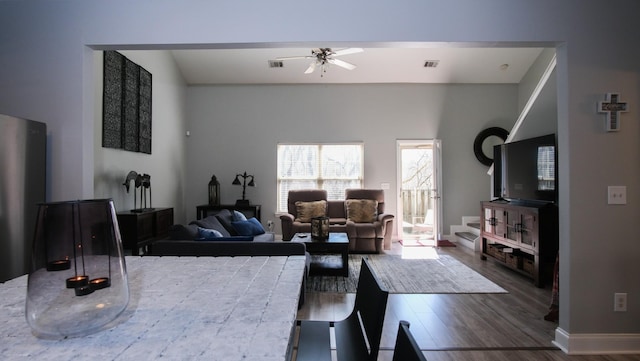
{"x": 419, "y": 206}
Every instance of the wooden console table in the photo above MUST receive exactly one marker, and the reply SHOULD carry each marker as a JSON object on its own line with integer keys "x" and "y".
{"x": 249, "y": 211}
{"x": 138, "y": 230}
{"x": 523, "y": 237}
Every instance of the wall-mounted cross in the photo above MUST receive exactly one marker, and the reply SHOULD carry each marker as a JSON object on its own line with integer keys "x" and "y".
{"x": 612, "y": 108}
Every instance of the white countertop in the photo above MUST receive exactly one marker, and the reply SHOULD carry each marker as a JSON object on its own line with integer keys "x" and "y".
{"x": 181, "y": 308}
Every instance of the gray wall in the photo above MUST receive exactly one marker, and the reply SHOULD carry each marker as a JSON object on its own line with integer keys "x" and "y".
{"x": 47, "y": 74}
{"x": 166, "y": 163}
{"x": 236, "y": 129}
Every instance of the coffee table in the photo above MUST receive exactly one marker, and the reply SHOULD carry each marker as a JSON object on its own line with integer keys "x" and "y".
{"x": 320, "y": 251}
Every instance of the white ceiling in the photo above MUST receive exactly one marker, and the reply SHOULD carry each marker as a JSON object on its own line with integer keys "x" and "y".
{"x": 374, "y": 65}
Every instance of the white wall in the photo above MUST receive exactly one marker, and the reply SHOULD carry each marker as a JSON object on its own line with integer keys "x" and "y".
{"x": 46, "y": 74}
{"x": 166, "y": 163}
{"x": 236, "y": 129}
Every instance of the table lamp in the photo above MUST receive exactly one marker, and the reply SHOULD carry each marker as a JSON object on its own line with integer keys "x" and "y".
{"x": 243, "y": 202}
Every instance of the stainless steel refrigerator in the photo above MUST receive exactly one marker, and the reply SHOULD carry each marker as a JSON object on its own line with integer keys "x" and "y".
{"x": 23, "y": 145}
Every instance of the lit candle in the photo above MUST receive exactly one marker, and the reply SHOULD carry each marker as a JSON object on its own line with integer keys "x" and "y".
{"x": 59, "y": 265}
{"x": 77, "y": 281}
{"x": 100, "y": 283}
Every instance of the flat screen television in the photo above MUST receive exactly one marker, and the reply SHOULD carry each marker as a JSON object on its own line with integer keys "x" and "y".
{"x": 526, "y": 170}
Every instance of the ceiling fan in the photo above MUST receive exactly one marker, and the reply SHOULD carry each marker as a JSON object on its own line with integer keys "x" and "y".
{"x": 324, "y": 56}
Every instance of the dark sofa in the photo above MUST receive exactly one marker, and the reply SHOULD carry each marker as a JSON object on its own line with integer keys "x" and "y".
{"x": 225, "y": 222}
{"x": 188, "y": 241}
{"x": 168, "y": 247}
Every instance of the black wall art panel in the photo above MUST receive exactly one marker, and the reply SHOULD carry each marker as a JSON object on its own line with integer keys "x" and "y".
{"x": 126, "y": 120}
{"x": 144, "y": 111}
{"x": 112, "y": 100}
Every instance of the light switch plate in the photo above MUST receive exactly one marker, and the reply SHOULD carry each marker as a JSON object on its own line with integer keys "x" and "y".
{"x": 617, "y": 194}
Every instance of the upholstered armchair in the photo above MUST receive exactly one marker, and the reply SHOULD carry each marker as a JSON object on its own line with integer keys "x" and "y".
{"x": 294, "y": 221}
{"x": 369, "y": 229}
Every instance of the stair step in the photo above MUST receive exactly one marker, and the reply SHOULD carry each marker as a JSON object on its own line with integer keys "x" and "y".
{"x": 475, "y": 225}
{"x": 467, "y": 235}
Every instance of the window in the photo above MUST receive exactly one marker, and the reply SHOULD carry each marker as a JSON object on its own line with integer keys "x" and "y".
{"x": 333, "y": 167}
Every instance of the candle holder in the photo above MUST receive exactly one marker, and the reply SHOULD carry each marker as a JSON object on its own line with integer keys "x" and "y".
{"x": 214, "y": 191}
{"x": 320, "y": 228}
{"x": 78, "y": 281}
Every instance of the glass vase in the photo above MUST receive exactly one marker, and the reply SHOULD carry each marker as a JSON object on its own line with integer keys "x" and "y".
{"x": 77, "y": 283}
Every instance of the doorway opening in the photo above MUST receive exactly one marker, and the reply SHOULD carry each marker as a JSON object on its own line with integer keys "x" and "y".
{"x": 419, "y": 206}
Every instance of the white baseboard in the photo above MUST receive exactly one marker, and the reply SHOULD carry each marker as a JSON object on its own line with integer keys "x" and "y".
{"x": 597, "y": 343}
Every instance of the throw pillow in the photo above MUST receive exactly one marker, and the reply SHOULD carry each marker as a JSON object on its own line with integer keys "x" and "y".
{"x": 308, "y": 210}
{"x": 206, "y": 234}
{"x": 182, "y": 232}
{"x": 211, "y": 222}
{"x": 250, "y": 227}
{"x": 225, "y": 217}
{"x": 361, "y": 210}
{"x": 238, "y": 216}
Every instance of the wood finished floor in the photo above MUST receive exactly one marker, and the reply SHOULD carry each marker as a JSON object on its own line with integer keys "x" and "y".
{"x": 473, "y": 327}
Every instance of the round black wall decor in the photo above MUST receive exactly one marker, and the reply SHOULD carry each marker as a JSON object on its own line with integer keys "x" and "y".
{"x": 484, "y": 142}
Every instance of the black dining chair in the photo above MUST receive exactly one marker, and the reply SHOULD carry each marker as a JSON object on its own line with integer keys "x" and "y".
{"x": 406, "y": 348}
{"x": 352, "y": 344}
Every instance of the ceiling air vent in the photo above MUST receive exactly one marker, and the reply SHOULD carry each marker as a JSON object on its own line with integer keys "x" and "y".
{"x": 276, "y": 64}
{"x": 431, "y": 63}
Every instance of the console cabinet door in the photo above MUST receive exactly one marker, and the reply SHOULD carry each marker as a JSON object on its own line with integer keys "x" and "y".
{"x": 528, "y": 229}
{"x": 513, "y": 224}
{"x": 488, "y": 220}
{"x": 522, "y": 226}
{"x": 494, "y": 221}
{"x": 500, "y": 222}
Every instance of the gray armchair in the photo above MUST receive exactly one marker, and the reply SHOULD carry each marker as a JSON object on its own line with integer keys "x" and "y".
{"x": 367, "y": 236}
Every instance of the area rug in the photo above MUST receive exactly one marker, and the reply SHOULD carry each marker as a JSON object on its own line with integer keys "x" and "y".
{"x": 444, "y": 274}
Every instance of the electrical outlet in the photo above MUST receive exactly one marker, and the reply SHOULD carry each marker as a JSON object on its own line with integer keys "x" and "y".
{"x": 617, "y": 194}
{"x": 620, "y": 302}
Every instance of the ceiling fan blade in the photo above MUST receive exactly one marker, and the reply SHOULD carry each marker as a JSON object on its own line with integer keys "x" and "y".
{"x": 311, "y": 68}
{"x": 295, "y": 57}
{"x": 341, "y": 63}
{"x": 348, "y": 51}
